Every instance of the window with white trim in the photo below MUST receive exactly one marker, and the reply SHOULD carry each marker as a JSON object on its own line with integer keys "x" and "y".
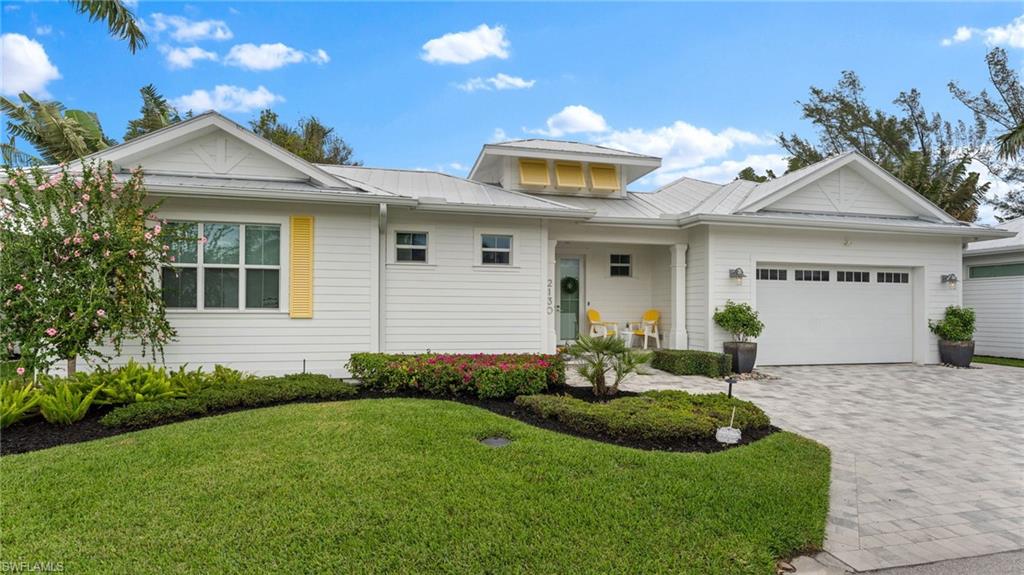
{"x": 853, "y": 277}
{"x": 496, "y": 249}
{"x": 811, "y": 275}
{"x": 771, "y": 274}
{"x": 893, "y": 278}
{"x": 621, "y": 265}
{"x": 411, "y": 247}
{"x": 223, "y": 266}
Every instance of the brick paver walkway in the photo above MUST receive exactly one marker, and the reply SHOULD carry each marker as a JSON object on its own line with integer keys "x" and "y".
{"x": 927, "y": 462}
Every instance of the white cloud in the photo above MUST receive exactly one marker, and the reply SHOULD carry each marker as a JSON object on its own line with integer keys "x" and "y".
{"x": 497, "y": 82}
{"x": 270, "y": 56}
{"x": 726, "y": 170}
{"x": 182, "y": 58}
{"x": 682, "y": 145}
{"x": 465, "y": 47}
{"x": 44, "y": 30}
{"x": 573, "y": 120}
{"x": 226, "y": 98}
{"x": 499, "y": 135}
{"x": 24, "y": 66}
{"x": 1011, "y": 35}
{"x": 183, "y": 29}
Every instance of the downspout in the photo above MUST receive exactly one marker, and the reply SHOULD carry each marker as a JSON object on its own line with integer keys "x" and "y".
{"x": 382, "y": 252}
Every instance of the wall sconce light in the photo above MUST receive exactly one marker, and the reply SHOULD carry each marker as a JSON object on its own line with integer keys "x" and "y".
{"x": 737, "y": 274}
{"x": 950, "y": 280}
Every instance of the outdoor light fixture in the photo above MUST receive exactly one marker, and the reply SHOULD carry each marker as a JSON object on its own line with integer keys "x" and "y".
{"x": 737, "y": 274}
{"x": 950, "y": 280}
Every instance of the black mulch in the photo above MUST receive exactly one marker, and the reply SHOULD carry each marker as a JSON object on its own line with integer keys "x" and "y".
{"x": 36, "y": 433}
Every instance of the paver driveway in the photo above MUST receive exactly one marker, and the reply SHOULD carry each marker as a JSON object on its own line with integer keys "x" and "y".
{"x": 927, "y": 462}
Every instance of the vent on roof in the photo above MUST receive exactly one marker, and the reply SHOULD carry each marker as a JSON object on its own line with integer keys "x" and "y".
{"x": 534, "y": 173}
{"x": 569, "y": 175}
{"x": 604, "y": 177}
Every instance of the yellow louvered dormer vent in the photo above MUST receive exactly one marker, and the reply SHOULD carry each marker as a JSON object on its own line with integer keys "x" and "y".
{"x": 569, "y": 175}
{"x": 300, "y": 285}
{"x": 604, "y": 177}
{"x": 534, "y": 173}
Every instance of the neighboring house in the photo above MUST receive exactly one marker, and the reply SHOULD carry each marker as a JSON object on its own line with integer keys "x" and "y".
{"x": 306, "y": 264}
{"x": 994, "y": 287}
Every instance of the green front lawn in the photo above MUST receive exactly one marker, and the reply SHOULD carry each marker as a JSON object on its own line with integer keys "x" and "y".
{"x": 403, "y": 486}
{"x": 999, "y": 360}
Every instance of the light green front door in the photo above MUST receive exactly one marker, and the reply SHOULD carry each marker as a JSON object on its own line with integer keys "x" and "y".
{"x": 569, "y": 288}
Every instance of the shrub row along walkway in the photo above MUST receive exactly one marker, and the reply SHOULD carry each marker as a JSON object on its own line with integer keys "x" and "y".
{"x": 926, "y": 461}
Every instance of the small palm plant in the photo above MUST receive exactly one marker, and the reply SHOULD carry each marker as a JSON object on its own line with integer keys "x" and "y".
{"x": 601, "y": 357}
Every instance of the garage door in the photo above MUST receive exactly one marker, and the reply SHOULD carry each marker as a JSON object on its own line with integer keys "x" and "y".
{"x": 817, "y": 314}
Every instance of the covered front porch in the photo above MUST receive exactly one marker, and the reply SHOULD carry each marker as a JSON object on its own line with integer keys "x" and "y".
{"x": 618, "y": 283}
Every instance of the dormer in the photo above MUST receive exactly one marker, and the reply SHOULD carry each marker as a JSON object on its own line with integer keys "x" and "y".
{"x": 561, "y": 168}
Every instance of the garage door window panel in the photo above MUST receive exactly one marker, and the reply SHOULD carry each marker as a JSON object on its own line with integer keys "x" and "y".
{"x": 811, "y": 275}
{"x": 853, "y": 277}
{"x": 893, "y": 278}
{"x": 771, "y": 274}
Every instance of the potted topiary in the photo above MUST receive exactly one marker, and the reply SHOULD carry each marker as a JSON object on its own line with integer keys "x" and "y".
{"x": 742, "y": 322}
{"x": 956, "y": 336}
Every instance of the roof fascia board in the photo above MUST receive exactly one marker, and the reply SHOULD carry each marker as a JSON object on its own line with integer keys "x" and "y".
{"x": 993, "y": 251}
{"x": 550, "y": 213}
{"x": 802, "y": 223}
{"x": 642, "y": 161}
{"x": 271, "y": 195}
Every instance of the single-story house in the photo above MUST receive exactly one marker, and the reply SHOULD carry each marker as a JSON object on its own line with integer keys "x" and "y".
{"x": 306, "y": 264}
{"x": 994, "y": 287}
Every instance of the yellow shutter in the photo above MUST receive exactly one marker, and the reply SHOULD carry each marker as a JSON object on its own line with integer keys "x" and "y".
{"x": 300, "y": 285}
{"x": 569, "y": 175}
{"x": 603, "y": 177}
{"x": 533, "y": 173}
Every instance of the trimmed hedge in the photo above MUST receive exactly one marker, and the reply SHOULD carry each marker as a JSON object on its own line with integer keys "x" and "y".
{"x": 692, "y": 362}
{"x": 252, "y": 393}
{"x": 482, "y": 375}
{"x": 657, "y": 416}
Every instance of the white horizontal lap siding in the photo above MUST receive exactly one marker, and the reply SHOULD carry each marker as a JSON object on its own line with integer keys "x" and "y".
{"x": 998, "y": 305}
{"x": 619, "y": 299}
{"x": 696, "y": 288}
{"x": 735, "y": 246}
{"x": 455, "y": 304}
{"x": 661, "y": 289}
{"x": 272, "y": 342}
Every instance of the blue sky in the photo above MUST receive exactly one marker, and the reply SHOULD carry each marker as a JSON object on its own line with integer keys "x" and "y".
{"x": 706, "y": 86}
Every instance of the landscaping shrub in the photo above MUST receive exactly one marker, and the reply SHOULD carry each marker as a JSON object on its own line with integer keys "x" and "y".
{"x": 222, "y": 397}
{"x": 656, "y": 416}
{"x": 600, "y": 357}
{"x": 65, "y": 402}
{"x": 739, "y": 319}
{"x": 692, "y": 362}
{"x": 481, "y": 375}
{"x": 18, "y": 400}
{"x": 956, "y": 325}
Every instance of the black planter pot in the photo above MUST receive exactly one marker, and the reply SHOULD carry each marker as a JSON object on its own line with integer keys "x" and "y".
{"x": 743, "y": 353}
{"x": 958, "y": 353}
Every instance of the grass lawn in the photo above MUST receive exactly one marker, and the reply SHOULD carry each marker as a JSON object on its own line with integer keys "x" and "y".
{"x": 999, "y": 360}
{"x": 403, "y": 486}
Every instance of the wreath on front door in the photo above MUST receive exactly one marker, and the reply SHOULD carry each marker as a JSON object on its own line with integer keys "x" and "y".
{"x": 570, "y": 285}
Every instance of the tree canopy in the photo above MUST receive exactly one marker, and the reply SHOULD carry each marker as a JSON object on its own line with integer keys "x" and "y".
{"x": 57, "y": 134}
{"x": 310, "y": 140}
{"x": 156, "y": 112}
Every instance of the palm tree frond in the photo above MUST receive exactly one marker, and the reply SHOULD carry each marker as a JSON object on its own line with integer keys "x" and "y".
{"x": 120, "y": 20}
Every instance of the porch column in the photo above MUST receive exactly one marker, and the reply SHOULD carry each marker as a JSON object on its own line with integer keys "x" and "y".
{"x": 677, "y": 338}
{"x": 551, "y": 297}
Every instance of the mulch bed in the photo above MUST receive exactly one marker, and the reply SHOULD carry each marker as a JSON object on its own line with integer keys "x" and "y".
{"x": 36, "y": 433}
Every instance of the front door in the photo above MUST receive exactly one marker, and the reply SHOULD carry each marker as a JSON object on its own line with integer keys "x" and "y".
{"x": 570, "y": 286}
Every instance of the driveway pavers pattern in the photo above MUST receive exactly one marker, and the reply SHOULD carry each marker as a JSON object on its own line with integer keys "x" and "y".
{"x": 927, "y": 461}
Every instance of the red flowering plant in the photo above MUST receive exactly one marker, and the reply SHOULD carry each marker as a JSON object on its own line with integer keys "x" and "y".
{"x": 479, "y": 374}
{"x": 79, "y": 254}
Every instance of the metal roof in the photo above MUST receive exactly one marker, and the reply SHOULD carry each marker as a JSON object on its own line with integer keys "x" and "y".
{"x": 634, "y": 205}
{"x": 1012, "y": 244}
{"x": 568, "y": 146}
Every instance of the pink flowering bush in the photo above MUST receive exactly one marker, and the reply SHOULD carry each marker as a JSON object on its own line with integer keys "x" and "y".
{"x": 78, "y": 258}
{"x": 481, "y": 375}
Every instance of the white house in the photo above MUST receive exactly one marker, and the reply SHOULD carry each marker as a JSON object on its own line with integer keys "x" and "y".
{"x": 994, "y": 287}
{"x": 310, "y": 263}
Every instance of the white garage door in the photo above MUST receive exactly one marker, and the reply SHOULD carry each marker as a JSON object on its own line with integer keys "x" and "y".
{"x": 817, "y": 314}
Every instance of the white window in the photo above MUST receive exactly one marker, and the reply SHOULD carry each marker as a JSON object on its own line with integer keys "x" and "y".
{"x": 621, "y": 265}
{"x": 223, "y": 266}
{"x": 854, "y": 277}
{"x": 811, "y": 275}
{"x": 496, "y": 249}
{"x": 411, "y": 247}
{"x": 893, "y": 278}
{"x": 771, "y": 274}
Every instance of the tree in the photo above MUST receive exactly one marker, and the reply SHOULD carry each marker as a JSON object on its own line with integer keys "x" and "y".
{"x": 1001, "y": 154}
{"x": 600, "y": 357}
{"x": 930, "y": 155}
{"x": 156, "y": 112}
{"x": 311, "y": 140}
{"x": 58, "y": 134}
{"x": 750, "y": 174}
{"x": 77, "y": 272}
{"x": 120, "y": 20}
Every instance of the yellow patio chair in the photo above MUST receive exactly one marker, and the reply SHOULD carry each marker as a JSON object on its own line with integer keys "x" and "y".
{"x": 649, "y": 327}
{"x": 600, "y": 328}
